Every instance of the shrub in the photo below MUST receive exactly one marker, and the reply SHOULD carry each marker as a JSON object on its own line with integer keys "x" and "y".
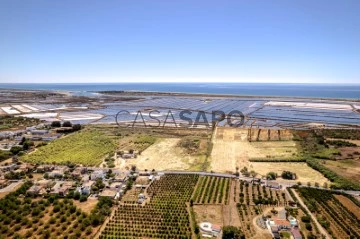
{"x": 56, "y": 124}
{"x": 305, "y": 219}
{"x": 271, "y": 176}
{"x": 231, "y": 232}
{"x": 56, "y": 208}
{"x": 83, "y": 198}
{"x": 308, "y": 226}
{"x": 67, "y": 124}
{"x": 288, "y": 175}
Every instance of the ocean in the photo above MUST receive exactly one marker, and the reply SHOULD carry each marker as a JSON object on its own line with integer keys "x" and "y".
{"x": 336, "y": 91}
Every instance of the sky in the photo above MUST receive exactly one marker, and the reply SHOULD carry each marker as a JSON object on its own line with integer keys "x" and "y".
{"x": 283, "y": 41}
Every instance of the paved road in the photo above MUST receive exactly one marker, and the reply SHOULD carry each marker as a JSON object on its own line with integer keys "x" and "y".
{"x": 350, "y": 192}
{"x": 225, "y": 175}
{"x": 10, "y": 187}
{"x": 321, "y": 229}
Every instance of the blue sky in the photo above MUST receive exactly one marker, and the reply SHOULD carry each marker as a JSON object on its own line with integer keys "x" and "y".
{"x": 297, "y": 41}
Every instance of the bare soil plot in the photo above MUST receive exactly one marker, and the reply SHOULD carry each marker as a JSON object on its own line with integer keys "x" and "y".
{"x": 209, "y": 213}
{"x": 86, "y": 206}
{"x": 273, "y": 149}
{"x": 349, "y": 168}
{"x": 230, "y": 150}
{"x": 132, "y": 195}
{"x": 165, "y": 155}
{"x": 304, "y": 173}
{"x": 352, "y": 207}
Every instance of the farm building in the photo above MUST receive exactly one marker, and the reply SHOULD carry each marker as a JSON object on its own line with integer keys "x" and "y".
{"x": 44, "y": 168}
{"x": 86, "y": 187}
{"x": 61, "y": 188}
{"x": 10, "y": 167}
{"x": 56, "y": 174}
{"x": 120, "y": 177}
{"x": 282, "y": 223}
{"x": 34, "y": 190}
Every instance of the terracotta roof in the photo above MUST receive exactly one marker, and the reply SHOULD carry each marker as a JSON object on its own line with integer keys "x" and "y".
{"x": 216, "y": 227}
{"x": 281, "y": 222}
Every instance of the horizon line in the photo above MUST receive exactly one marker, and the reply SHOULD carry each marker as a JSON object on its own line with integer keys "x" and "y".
{"x": 182, "y": 82}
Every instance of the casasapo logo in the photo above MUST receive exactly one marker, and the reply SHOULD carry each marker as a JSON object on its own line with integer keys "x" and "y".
{"x": 176, "y": 118}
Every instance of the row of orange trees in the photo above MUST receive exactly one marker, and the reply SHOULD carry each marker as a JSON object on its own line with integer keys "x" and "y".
{"x": 212, "y": 190}
{"x": 323, "y": 203}
{"x": 165, "y": 216}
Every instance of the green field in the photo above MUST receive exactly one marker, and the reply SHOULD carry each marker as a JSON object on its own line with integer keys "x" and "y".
{"x": 85, "y": 147}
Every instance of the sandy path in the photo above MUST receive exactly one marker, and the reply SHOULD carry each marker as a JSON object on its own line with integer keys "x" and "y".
{"x": 231, "y": 216}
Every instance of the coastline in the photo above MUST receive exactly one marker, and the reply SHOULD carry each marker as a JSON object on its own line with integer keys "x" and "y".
{"x": 236, "y": 90}
{"x": 72, "y": 93}
{"x": 264, "y": 97}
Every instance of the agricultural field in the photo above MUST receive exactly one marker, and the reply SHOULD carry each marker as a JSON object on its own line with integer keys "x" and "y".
{"x": 322, "y": 155}
{"x": 273, "y": 150}
{"x": 42, "y": 218}
{"x": 303, "y": 172}
{"x": 245, "y": 203}
{"x": 87, "y": 147}
{"x": 135, "y": 141}
{"x": 212, "y": 202}
{"x": 232, "y": 149}
{"x": 332, "y": 212}
{"x": 165, "y": 216}
{"x": 350, "y": 204}
{"x": 167, "y": 154}
{"x": 212, "y": 190}
{"x": 306, "y": 223}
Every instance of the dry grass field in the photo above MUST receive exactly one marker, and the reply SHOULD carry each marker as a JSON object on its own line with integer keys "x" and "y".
{"x": 273, "y": 149}
{"x": 349, "y": 168}
{"x": 165, "y": 154}
{"x": 231, "y": 149}
{"x": 304, "y": 173}
{"x": 209, "y": 213}
{"x": 86, "y": 206}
